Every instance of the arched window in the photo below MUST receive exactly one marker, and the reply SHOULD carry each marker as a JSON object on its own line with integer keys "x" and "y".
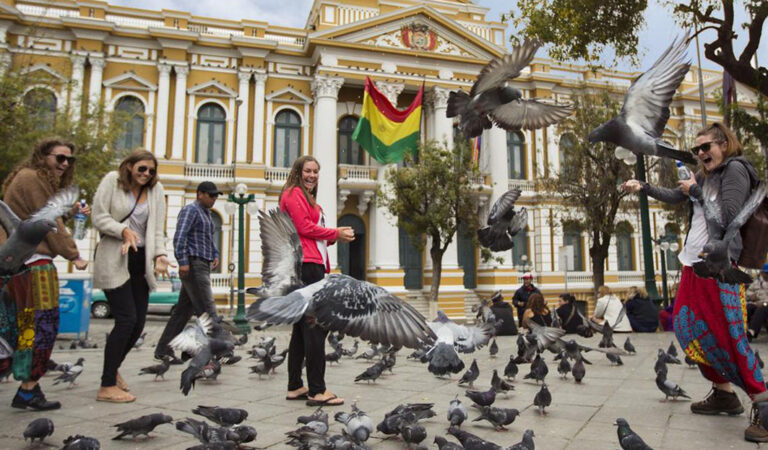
{"x": 516, "y": 155}
{"x": 567, "y": 144}
{"x": 520, "y": 241}
{"x": 41, "y": 107}
{"x": 217, "y": 240}
{"x": 572, "y": 236}
{"x": 671, "y": 234}
{"x": 349, "y": 150}
{"x": 287, "y": 138}
{"x": 624, "y": 252}
{"x": 211, "y": 126}
{"x": 130, "y": 111}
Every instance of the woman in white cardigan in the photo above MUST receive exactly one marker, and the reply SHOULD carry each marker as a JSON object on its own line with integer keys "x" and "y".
{"x": 129, "y": 214}
{"x": 609, "y": 308}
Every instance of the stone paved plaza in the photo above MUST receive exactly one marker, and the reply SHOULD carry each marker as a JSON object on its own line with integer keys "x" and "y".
{"x": 581, "y": 416}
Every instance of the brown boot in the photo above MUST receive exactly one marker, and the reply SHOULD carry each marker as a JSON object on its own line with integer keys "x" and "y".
{"x": 718, "y": 402}
{"x": 755, "y": 432}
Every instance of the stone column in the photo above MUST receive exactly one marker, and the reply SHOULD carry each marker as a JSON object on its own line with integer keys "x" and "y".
{"x": 391, "y": 91}
{"x": 179, "y": 103}
{"x": 243, "y": 96}
{"x": 161, "y": 124}
{"x": 326, "y": 90}
{"x": 76, "y": 94}
{"x": 94, "y": 88}
{"x": 443, "y": 124}
{"x": 495, "y": 144}
{"x": 258, "y": 117}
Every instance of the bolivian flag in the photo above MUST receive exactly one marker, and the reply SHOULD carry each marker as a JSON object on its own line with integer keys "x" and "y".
{"x": 385, "y": 132}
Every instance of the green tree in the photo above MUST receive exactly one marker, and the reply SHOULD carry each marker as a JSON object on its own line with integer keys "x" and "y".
{"x": 588, "y": 180}
{"x": 583, "y": 29}
{"x": 432, "y": 196}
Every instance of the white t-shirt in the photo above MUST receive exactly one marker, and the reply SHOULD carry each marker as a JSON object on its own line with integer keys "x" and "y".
{"x": 697, "y": 237}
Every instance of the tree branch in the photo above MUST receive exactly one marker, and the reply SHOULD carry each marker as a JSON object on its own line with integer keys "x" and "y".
{"x": 755, "y": 33}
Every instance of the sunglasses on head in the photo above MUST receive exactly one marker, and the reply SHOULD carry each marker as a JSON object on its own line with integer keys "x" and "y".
{"x": 703, "y": 147}
{"x": 143, "y": 169}
{"x": 61, "y": 158}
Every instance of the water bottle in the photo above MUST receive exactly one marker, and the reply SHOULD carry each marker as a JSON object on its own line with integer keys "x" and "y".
{"x": 80, "y": 219}
{"x": 682, "y": 172}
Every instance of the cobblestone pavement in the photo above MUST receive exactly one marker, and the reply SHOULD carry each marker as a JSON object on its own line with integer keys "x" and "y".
{"x": 581, "y": 416}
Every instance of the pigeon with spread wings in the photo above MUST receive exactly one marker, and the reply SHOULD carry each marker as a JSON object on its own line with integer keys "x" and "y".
{"x": 338, "y": 302}
{"x": 645, "y": 112}
{"x": 503, "y": 223}
{"x": 491, "y": 101}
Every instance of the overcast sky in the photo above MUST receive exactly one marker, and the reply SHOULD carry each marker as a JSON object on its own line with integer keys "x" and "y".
{"x": 657, "y": 34}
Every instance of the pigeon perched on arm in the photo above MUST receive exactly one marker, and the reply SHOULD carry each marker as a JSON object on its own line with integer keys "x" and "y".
{"x": 503, "y": 223}
{"x": 645, "y": 112}
{"x": 38, "y": 429}
{"x": 628, "y": 439}
{"x": 142, "y": 425}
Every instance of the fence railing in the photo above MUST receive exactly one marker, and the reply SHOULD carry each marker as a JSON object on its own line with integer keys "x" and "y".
{"x": 355, "y": 172}
{"x": 277, "y": 174}
{"x": 209, "y": 171}
{"x": 290, "y": 40}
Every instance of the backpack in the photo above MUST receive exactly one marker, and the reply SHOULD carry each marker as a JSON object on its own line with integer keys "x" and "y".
{"x": 754, "y": 235}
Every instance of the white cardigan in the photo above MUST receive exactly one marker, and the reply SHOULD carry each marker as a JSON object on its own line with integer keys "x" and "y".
{"x": 609, "y": 307}
{"x": 110, "y": 204}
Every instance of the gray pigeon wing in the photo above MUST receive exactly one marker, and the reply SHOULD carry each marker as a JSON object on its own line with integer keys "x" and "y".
{"x": 502, "y": 206}
{"x": 8, "y": 219}
{"x": 281, "y": 247}
{"x": 529, "y": 114}
{"x": 519, "y": 222}
{"x": 361, "y": 309}
{"x": 753, "y": 202}
{"x": 646, "y": 104}
{"x": 499, "y": 70}
{"x": 545, "y": 336}
{"x": 285, "y": 309}
{"x": 6, "y": 351}
{"x": 713, "y": 212}
{"x": 58, "y": 204}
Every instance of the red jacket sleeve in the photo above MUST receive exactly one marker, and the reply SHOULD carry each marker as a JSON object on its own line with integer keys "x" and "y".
{"x": 296, "y": 205}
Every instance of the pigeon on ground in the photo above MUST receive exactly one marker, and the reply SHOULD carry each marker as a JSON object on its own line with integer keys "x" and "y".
{"x": 607, "y": 339}
{"x": 419, "y": 410}
{"x": 691, "y": 363}
{"x": 629, "y": 347}
{"x": 498, "y": 417}
{"x": 672, "y": 350}
{"x": 142, "y": 425}
{"x": 660, "y": 366}
{"x": 628, "y": 439}
{"x": 578, "y": 371}
{"x": 543, "y": 398}
{"x": 158, "y": 370}
{"x": 392, "y": 424}
{"x": 510, "y": 371}
{"x": 24, "y": 236}
{"x": 500, "y": 385}
{"x": 369, "y": 354}
{"x": 482, "y": 398}
{"x": 493, "y": 349}
{"x": 351, "y": 352}
{"x": 667, "y": 358}
{"x": 227, "y": 445}
{"x": 471, "y": 441}
{"x": 563, "y": 367}
{"x": 195, "y": 340}
{"x": 317, "y": 416}
{"x": 207, "y": 434}
{"x": 242, "y": 340}
{"x": 503, "y": 223}
{"x": 338, "y": 302}
{"x": 444, "y": 444}
{"x": 71, "y": 374}
{"x": 614, "y": 359}
{"x": 226, "y": 417}
{"x": 334, "y": 356}
{"x": 645, "y": 112}
{"x": 372, "y": 373}
{"x": 457, "y": 413}
{"x": 305, "y": 438}
{"x": 413, "y": 432}
{"x": 539, "y": 370}
{"x": 526, "y": 443}
{"x": 470, "y": 375}
{"x": 669, "y": 387}
{"x": 6, "y": 351}
{"x": 358, "y": 425}
{"x": 492, "y": 101}
{"x": 140, "y": 341}
{"x": 245, "y": 433}
{"x": 80, "y": 442}
{"x": 38, "y": 429}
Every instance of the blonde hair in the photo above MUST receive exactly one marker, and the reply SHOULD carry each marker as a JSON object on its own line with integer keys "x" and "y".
{"x": 602, "y": 291}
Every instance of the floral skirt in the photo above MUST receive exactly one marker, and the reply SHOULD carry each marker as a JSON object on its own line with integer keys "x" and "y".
{"x": 29, "y": 320}
{"x": 710, "y": 319}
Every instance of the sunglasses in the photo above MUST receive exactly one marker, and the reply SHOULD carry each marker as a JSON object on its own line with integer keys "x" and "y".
{"x": 143, "y": 169}
{"x": 61, "y": 158}
{"x": 703, "y": 147}
{"x": 212, "y": 195}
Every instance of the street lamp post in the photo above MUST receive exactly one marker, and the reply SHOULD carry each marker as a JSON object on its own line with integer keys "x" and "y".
{"x": 664, "y": 245}
{"x": 239, "y": 199}
{"x": 525, "y": 265}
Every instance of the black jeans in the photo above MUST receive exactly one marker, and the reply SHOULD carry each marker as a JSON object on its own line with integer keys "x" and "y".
{"x": 195, "y": 297}
{"x": 128, "y": 304}
{"x": 308, "y": 341}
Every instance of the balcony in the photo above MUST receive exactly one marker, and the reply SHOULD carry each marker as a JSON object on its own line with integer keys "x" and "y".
{"x": 528, "y": 187}
{"x": 356, "y": 180}
{"x": 213, "y": 172}
{"x": 277, "y": 176}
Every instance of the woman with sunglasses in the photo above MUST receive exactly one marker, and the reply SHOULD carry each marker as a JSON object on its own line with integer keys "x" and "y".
{"x": 129, "y": 214}
{"x": 709, "y": 315}
{"x": 50, "y": 168}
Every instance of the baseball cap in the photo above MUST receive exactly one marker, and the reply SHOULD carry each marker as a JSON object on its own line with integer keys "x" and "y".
{"x": 765, "y": 268}
{"x": 209, "y": 188}
{"x": 528, "y": 275}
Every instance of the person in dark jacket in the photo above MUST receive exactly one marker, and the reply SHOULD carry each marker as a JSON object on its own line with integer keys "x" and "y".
{"x": 520, "y": 299}
{"x": 641, "y": 311}
{"x": 570, "y": 320}
{"x": 503, "y": 311}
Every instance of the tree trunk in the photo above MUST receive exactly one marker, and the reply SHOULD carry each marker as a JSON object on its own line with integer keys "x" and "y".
{"x": 598, "y": 252}
{"x": 437, "y": 268}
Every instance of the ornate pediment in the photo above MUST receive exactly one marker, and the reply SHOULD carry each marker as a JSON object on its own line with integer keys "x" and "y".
{"x": 213, "y": 88}
{"x": 288, "y": 95}
{"x": 131, "y": 82}
{"x": 43, "y": 71}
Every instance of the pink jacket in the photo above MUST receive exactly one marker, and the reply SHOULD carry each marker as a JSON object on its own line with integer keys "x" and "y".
{"x": 312, "y": 234}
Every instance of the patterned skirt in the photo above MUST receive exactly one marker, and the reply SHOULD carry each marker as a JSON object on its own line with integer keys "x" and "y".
{"x": 29, "y": 320}
{"x": 710, "y": 324}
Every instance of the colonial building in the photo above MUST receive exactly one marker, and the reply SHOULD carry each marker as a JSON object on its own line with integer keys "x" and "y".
{"x": 237, "y": 101}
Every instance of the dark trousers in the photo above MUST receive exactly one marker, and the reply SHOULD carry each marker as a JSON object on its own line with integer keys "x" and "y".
{"x": 757, "y": 317}
{"x": 308, "y": 341}
{"x": 128, "y": 304}
{"x": 520, "y": 313}
{"x": 195, "y": 297}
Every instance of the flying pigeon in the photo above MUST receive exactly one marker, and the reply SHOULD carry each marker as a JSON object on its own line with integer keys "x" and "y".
{"x": 80, "y": 442}
{"x": 669, "y": 387}
{"x": 24, "y": 236}
{"x": 628, "y": 439}
{"x": 38, "y": 429}
{"x": 71, "y": 374}
{"x": 526, "y": 443}
{"x": 158, "y": 370}
{"x": 498, "y": 417}
{"x": 457, "y": 412}
{"x": 645, "y": 112}
{"x": 195, "y": 340}
{"x": 629, "y": 347}
{"x": 338, "y": 302}
{"x": 490, "y": 101}
{"x": 503, "y": 223}
{"x": 226, "y": 417}
{"x": 543, "y": 398}
{"x": 142, "y": 425}
{"x": 470, "y": 375}
{"x": 358, "y": 425}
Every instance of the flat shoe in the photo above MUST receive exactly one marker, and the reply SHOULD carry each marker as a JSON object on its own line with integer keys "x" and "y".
{"x": 118, "y": 399}
{"x": 328, "y": 401}
{"x": 302, "y": 396}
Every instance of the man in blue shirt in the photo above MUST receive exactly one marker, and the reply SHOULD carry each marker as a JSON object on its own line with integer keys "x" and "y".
{"x": 197, "y": 256}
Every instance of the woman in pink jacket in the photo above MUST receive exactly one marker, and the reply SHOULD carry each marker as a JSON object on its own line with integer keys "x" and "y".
{"x": 297, "y": 199}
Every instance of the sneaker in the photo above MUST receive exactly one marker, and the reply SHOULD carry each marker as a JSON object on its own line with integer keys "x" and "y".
{"x": 755, "y": 431}
{"x": 718, "y": 402}
{"x": 172, "y": 359}
{"x": 34, "y": 399}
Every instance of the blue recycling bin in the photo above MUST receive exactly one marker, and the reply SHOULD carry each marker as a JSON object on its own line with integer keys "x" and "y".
{"x": 75, "y": 292}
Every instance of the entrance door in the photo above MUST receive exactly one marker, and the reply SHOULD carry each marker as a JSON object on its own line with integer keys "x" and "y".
{"x": 352, "y": 255}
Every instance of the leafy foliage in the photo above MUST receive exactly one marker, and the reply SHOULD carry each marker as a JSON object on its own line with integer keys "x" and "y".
{"x": 431, "y": 196}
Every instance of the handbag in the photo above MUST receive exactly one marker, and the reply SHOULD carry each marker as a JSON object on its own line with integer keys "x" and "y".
{"x": 101, "y": 235}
